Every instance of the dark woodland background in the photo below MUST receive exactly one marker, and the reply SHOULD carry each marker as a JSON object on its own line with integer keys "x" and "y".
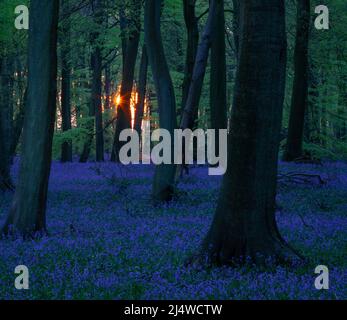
{"x": 89, "y": 227}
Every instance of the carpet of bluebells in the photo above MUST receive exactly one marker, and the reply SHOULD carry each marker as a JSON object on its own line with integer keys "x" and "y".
{"x": 108, "y": 241}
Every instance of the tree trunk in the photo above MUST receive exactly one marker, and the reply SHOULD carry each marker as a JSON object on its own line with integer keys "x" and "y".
{"x": 192, "y": 46}
{"x": 244, "y": 224}
{"x": 165, "y": 173}
{"x": 300, "y": 86}
{"x": 141, "y": 89}
{"x": 97, "y": 104}
{"x": 129, "y": 61}
{"x": 107, "y": 87}
{"x": 218, "y": 99}
{"x": 66, "y": 148}
{"x": 193, "y": 99}
{"x": 18, "y": 125}
{"x": 191, "y": 108}
{"x": 28, "y": 211}
{"x": 237, "y": 26}
{"x": 6, "y": 115}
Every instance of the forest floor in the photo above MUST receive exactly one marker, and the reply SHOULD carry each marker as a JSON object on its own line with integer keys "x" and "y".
{"x": 107, "y": 241}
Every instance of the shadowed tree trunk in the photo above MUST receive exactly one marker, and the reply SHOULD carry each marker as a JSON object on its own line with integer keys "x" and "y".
{"x": 18, "y": 125}
{"x": 237, "y": 25}
{"x": 218, "y": 99}
{"x": 107, "y": 87}
{"x": 141, "y": 89}
{"x": 244, "y": 224}
{"x": 28, "y": 211}
{"x": 95, "y": 106}
{"x": 129, "y": 62}
{"x": 89, "y": 126}
{"x": 300, "y": 85}
{"x": 165, "y": 173}
{"x": 192, "y": 46}
{"x": 191, "y": 108}
{"x": 6, "y": 122}
{"x": 66, "y": 148}
{"x": 96, "y": 65}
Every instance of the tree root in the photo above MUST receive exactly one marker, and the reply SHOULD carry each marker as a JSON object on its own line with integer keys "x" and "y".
{"x": 303, "y": 178}
{"x": 280, "y": 253}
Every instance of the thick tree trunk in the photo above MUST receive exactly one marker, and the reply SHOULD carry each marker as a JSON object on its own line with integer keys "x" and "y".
{"x": 300, "y": 86}
{"x": 141, "y": 89}
{"x": 163, "y": 184}
{"x": 66, "y": 148}
{"x": 218, "y": 99}
{"x": 129, "y": 62}
{"x": 28, "y": 212}
{"x": 192, "y": 46}
{"x": 244, "y": 224}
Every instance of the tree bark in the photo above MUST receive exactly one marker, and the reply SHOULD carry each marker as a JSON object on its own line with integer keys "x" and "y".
{"x": 97, "y": 104}
{"x": 192, "y": 27}
{"x": 193, "y": 99}
{"x": 107, "y": 87}
{"x": 66, "y": 148}
{"x": 300, "y": 86}
{"x": 28, "y": 211}
{"x": 141, "y": 89}
{"x": 129, "y": 61}
{"x": 163, "y": 184}
{"x": 237, "y": 26}
{"x": 191, "y": 108}
{"x": 6, "y": 122}
{"x": 218, "y": 99}
{"x": 244, "y": 224}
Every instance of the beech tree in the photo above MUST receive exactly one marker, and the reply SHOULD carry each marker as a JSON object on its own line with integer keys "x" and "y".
{"x": 95, "y": 106}
{"x": 141, "y": 89}
{"x": 130, "y": 43}
{"x": 191, "y": 22}
{"x": 28, "y": 212}
{"x": 218, "y": 96}
{"x": 66, "y": 148}
{"x": 244, "y": 223}
{"x": 300, "y": 85}
{"x": 165, "y": 173}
